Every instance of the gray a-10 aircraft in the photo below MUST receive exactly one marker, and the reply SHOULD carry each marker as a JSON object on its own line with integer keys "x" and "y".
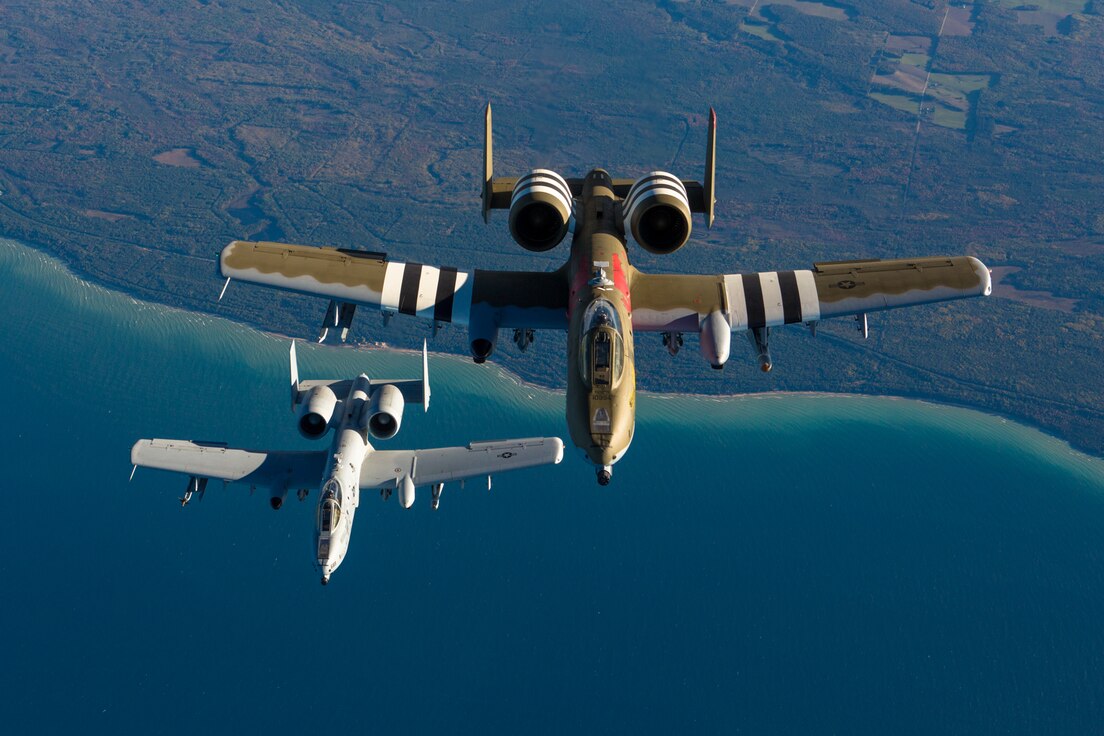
{"x": 597, "y": 296}
{"x": 355, "y": 409}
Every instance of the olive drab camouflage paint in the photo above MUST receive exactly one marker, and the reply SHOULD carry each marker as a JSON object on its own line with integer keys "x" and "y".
{"x": 598, "y": 297}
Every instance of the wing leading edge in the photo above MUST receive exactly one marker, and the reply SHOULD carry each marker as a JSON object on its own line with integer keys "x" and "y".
{"x": 773, "y": 298}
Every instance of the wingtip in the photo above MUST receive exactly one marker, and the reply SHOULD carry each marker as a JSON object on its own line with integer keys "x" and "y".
{"x": 223, "y": 255}
{"x": 985, "y": 276}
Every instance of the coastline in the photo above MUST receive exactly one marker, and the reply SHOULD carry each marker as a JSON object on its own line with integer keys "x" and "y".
{"x": 508, "y": 374}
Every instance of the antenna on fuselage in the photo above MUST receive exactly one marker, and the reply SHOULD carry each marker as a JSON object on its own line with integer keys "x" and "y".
{"x": 488, "y": 164}
{"x": 710, "y": 166}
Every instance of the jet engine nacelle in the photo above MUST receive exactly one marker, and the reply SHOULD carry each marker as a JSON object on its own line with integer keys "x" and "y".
{"x": 657, "y": 212}
{"x": 316, "y": 412}
{"x": 540, "y": 210}
{"x": 385, "y": 412}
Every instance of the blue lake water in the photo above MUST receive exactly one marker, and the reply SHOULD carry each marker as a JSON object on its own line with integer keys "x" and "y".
{"x": 786, "y": 564}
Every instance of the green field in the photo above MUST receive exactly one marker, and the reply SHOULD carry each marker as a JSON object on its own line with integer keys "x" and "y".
{"x": 1060, "y": 7}
{"x": 948, "y": 117}
{"x": 898, "y": 101}
{"x": 819, "y": 10}
{"x": 760, "y": 30}
{"x": 946, "y": 94}
{"x": 918, "y": 60}
{"x": 960, "y": 83}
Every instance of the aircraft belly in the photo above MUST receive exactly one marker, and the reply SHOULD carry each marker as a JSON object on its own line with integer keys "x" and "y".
{"x": 536, "y": 318}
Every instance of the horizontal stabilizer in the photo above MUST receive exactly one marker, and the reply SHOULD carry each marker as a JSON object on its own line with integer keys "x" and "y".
{"x": 413, "y": 390}
{"x": 498, "y": 191}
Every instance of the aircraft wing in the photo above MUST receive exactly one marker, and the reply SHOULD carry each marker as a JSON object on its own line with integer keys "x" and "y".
{"x": 506, "y": 298}
{"x": 383, "y": 468}
{"x": 681, "y": 303}
{"x": 216, "y": 460}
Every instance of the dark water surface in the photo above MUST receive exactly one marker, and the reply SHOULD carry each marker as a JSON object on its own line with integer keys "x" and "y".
{"x": 788, "y": 564}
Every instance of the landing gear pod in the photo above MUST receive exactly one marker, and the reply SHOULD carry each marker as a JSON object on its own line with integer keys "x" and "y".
{"x": 482, "y": 334}
{"x": 657, "y": 211}
{"x": 406, "y": 492}
{"x": 540, "y": 210}
{"x": 716, "y": 339}
{"x": 276, "y": 500}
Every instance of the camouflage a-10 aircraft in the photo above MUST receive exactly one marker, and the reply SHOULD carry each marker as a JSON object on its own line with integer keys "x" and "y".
{"x": 597, "y": 296}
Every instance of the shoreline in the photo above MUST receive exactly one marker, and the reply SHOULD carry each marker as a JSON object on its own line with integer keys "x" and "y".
{"x": 507, "y": 373}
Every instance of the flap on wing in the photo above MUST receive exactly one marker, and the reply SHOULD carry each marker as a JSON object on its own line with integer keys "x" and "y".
{"x": 425, "y": 467}
{"x": 216, "y": 460}
{"x": 674, "y": 302}
{"x": 525, "y": 299}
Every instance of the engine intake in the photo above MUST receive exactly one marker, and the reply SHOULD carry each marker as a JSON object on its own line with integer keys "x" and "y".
{"x": 316, "y": 412}
{"x": 658, "y": 212}
{"x": 385, "y": 412}
{"x": 540, "y": 210}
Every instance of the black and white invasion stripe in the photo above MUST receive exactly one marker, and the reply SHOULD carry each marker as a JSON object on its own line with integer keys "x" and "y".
{"x": 771, "y": 299}
{"x": 652, "y": 185}
{"x": 441, "y": 294}
{"x": 544, "y": 181}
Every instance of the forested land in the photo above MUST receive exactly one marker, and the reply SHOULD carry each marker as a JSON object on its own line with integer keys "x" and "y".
{"x": 136, "y": 139}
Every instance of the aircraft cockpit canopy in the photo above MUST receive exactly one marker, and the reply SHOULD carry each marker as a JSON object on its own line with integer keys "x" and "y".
{"x": 329, "y": 509}
{"x": 602, "y": 358}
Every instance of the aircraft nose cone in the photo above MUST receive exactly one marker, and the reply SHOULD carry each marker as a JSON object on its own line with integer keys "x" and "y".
{"x": 604, "y": 475}
{"x": 602, "y": 457}
{"x": 326, "y": 579}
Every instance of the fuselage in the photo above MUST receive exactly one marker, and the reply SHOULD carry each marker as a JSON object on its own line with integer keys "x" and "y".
{"x": 601, "y": 376}
{"x": 340, "y": 489}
